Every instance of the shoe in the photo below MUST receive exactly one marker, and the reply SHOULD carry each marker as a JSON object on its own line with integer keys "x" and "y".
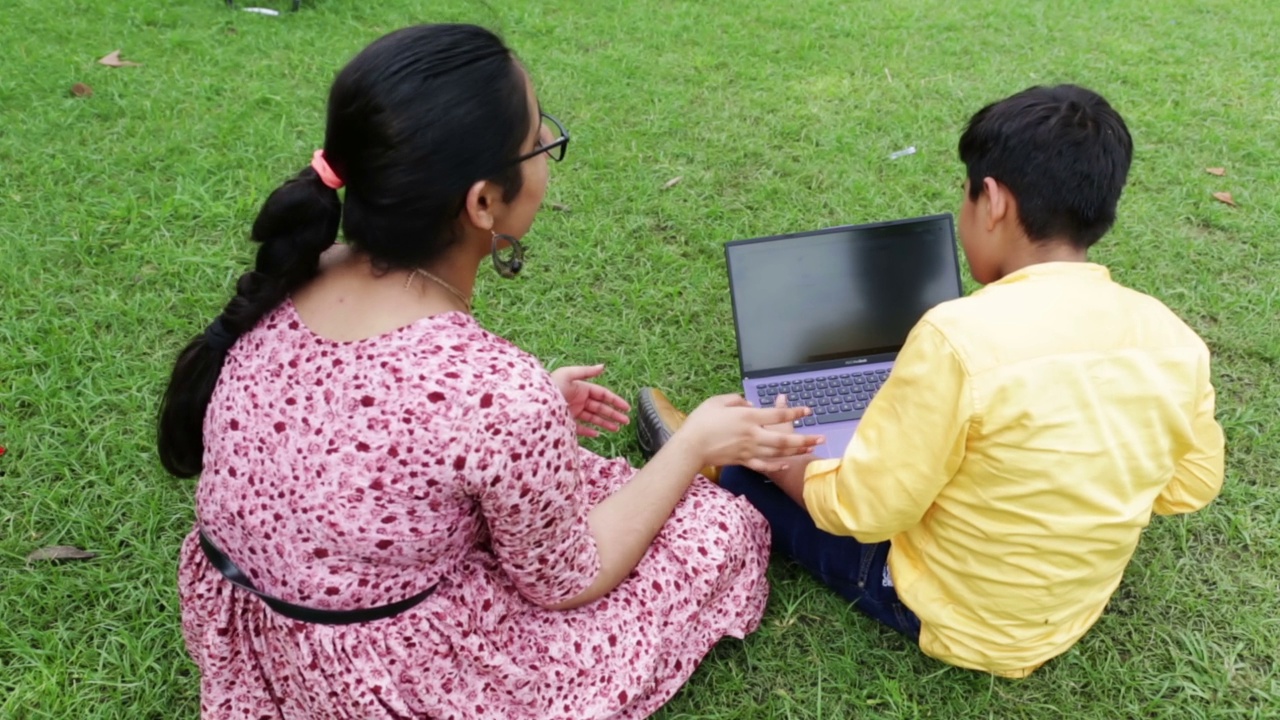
{"x": 656, "y": 421}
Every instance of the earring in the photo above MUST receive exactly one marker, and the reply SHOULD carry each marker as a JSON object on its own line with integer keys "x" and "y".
{"x": 511, "y": 266}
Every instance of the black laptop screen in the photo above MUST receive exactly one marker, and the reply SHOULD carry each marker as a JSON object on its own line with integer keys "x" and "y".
{"x": 837, "y": 294}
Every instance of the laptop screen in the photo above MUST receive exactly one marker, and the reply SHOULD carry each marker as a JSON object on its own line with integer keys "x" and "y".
{"x": 831, "y": 295}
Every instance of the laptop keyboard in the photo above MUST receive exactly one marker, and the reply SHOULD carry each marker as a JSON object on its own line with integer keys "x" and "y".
{"x": 837, "y": 397}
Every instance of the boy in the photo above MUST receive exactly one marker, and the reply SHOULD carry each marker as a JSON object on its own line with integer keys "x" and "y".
{"x": 996, "y": 488}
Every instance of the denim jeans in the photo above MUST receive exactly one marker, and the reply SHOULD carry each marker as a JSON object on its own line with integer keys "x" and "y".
{"x": 855, "y": 570}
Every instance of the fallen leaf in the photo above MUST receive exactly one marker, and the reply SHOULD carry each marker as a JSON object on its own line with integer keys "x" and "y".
{"x": 1216, "y": 171}
{"x": 113, "y": 60}
{"x": 1225, "y": 197}
{"x": 60, "y": 552}
{"x": 672, "y": 182}
{"x": 560, "y": 207}
{"x": 81, "y": 90}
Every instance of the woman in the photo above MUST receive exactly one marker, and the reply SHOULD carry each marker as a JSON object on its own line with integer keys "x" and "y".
{"x": 394, "y": 518}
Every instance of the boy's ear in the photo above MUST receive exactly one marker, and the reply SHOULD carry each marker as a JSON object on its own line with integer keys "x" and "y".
{"x": 1000, "y": 203}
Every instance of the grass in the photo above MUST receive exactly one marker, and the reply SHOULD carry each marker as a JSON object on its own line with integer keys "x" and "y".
{"x": 122, "y": 225}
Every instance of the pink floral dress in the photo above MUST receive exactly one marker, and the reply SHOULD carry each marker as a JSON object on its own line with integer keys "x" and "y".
{"x": 355, "y": 474}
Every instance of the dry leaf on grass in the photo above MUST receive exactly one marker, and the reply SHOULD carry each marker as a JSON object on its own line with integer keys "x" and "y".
{"x": 672, "y": 182}
{"x": 1225, "y": 197}
{"x": 1216, "y": 171}
{"x": 60, "y": 552}
{"x": 81, "y": 90}
{"x": 113, "y": 60}
{"x": 560, "y": 207}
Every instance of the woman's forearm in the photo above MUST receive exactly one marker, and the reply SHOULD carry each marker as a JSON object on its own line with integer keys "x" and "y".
{"x": 626, "y": 522}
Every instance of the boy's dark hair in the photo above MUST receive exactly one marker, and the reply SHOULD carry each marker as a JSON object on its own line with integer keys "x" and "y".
{"x": 1062, "y": 151}
{"x": 414, "y": 120}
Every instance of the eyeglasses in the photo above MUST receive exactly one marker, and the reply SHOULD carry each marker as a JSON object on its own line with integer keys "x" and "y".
{"x": 554, "y": 149}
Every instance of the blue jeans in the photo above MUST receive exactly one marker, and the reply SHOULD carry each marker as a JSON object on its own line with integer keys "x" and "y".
{"x": 854, "y": 570}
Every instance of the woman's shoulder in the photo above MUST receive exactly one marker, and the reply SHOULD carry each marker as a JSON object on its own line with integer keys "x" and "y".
{"x": 460, "y": 338}
{"x": 492, "y": 368}
{"x": 447, "y": 363}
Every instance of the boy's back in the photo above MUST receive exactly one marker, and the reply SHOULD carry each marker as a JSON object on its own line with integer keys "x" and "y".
{"x": 1089, "y": 405}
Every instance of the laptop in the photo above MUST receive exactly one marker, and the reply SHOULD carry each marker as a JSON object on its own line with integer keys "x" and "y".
{"x": 821, "y": 316}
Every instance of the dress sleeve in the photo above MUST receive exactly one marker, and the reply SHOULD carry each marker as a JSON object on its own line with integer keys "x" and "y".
{"x": 522, "y": 469}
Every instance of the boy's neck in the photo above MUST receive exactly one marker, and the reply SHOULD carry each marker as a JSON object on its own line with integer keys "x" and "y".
{"x": 1027, "y": 252}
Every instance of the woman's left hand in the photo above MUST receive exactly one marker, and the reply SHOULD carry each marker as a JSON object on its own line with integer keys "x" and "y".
{"x": 590, "y": 404}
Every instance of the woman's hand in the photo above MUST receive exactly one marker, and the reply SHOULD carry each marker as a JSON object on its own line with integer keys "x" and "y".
{"x": 590, "y": 404}
{"x": 782, "y": 401}
{"x": 790, "y": 479}
{"x": 728, "y": 430}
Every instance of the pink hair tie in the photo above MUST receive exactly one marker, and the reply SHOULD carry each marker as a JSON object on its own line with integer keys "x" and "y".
{"x": 326, "y": 173}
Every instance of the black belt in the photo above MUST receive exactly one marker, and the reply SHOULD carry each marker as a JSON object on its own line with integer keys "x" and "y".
{"x": 296, "y": 612}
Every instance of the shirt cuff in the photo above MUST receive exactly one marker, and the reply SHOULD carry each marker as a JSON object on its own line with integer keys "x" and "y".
{"x": 819, "y": 493}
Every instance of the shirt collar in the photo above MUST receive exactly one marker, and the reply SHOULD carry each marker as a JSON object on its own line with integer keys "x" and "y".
{"x": 1059, "y": 269}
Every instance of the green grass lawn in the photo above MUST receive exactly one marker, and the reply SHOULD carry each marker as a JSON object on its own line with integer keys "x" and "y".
{"x": 123, "y": 218}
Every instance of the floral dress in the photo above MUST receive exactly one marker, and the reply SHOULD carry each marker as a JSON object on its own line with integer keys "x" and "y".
{"x": 347, "y": 475}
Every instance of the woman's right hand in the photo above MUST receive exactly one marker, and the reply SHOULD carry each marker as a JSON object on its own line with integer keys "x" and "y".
{"x": 728, "y": 430}
{"x": 722, "y": 431}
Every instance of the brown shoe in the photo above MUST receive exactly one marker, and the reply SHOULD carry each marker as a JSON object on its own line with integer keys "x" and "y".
{"x": 656, "y": 421}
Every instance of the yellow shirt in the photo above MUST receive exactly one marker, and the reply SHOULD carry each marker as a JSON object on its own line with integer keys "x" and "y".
{"x": 1018, "y": 449}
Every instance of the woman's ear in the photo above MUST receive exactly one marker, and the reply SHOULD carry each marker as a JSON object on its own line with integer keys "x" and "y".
{"x": 482, "y": 199}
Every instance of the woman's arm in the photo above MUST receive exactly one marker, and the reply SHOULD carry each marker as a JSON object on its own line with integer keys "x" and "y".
{"x": 721, "y": 431}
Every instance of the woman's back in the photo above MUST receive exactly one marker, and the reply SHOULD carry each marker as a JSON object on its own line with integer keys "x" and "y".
{"x": 330, "y": 466}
